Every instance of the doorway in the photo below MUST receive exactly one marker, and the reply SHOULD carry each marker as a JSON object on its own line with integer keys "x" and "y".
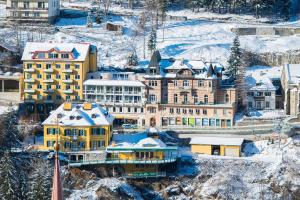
{"x": 215, "y": 150}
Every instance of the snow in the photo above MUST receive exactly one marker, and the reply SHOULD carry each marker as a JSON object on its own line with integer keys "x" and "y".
{"x": 260, "y": 114}
{"x": 217, "y": 141}
{"x": 81, "y": 116}
{"x": 100, "y": 82}
{"x": 259, "y": 78}
{"x": 79, "y": 50}
{"x": 292, "y": 73}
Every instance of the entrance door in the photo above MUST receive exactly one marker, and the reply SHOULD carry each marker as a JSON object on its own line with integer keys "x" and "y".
{"x": 215, "y": 150}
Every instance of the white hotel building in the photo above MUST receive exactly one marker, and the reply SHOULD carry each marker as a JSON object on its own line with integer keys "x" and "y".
{"x": 120, "y": 93}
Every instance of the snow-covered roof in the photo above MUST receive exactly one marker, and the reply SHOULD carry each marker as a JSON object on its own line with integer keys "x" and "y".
{"x": 132, "y": 141}
{"x": 292, "y": 73}
{"x": 217, "y": 141}
{"x": 78, "y": 116}
{"x": 81, "y": 49}
{"x": 259, "y": 78}
{"x": 101, "y": 82}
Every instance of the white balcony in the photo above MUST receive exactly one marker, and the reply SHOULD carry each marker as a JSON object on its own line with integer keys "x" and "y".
{"x": 69, "y": 91}
{"x": 30, "y": 80}
{"x": 30, "y": 91}
{"x": 48, "y": 91}
{"x": 48, "y": 70}
{"x": 48, "y": 81}
{"x": 29, "y": 70}
{"x": 67, "y": 70}
{"x": 68, "y": 81}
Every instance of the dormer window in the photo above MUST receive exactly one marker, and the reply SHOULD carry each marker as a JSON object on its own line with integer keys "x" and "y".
{"x": 53, "y": 55}
{"x": 64, "y": 55}
{"x": 41, "y": 55}
{"x": 152, "y": 71}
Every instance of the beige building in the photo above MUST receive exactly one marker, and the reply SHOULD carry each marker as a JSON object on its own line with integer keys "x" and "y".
{"x": 121, "y": 93}
{"x": 30, "y": 11}
{"x": 188, "y": 93}
{"x": 290, "y": 81}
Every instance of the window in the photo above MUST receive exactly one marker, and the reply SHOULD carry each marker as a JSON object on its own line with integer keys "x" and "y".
{"x": 215, "y": 111}
{"x": 38, "y": 66}
{"x": 53, "y": 55}
{"x": 39, "y": 86}
{"x": 39, "y": 76}
{"x": 178, "y": 110}
{"x": 49, "y": 97}
{"x": 175, "y": 83}
{"x": 152, "y": 98}
{"x": 26, "y": 4}
{"x": 197, "y": 111}
{"x": 57, "y": 76}
{"x": 226, "y": 98}
{"x": 65, "y": 55}
{"x": 77, "y": 97}
{"x": 200, "y": 83}
{"x": 152, "y": 110}
{"x": 77, "y": 87}
{"x": 184, "y": 111}
{"x": 77, "y": 77}
{"x": 40, "y": 97}
{"x": 67, "y": 66}
{"x": 121, "y": 109}
{"x": 250, "y": 104}
{"x": 77, "y": 66}
{"x": 268, "y": 94}
{"x": 185, "y": 98}
{"x": 191, "y": 111}
{"x": 57, "y": 66}
{"x": 58, "y": 97}
{"x": 41, "y": 55}
{"x": 58, "y": 87}
{"x": 67, "y": 77}
{"x": 142, "y": 110}
{"x": 29, "y": 66}
{"x": 195, "y": 99}
{"x": 98, "y": 131}
{"x": 205, "y": 99}
{"x": 204, "y": 112}
{"x": 224, "y": 112}
{"x": 129, "y": 109}
{"x": 209, "y": 84}
{"x": 250, "y": 94}
{"x": 41, "y": 5}
{"x": 14, "y": 4}
{"x": 186, "y": 83}
{"x": 175, "y": 98}
{"x": 135, "y": 110}
{"x": 68, "y": 97}
{"x": 48, "y": 76}
{"x": 26, "y": 14}
{"x": 36, "y": 14}
{"x": 29, "y": 86}
{"x": 171, "y": 110}
{"x": 152, "y": 83}
{"x": 48, "y": 66}
{"x": 267, "y": 104}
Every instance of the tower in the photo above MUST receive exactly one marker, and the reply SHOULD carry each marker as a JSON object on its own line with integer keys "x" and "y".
{"x": 57, "y": 191}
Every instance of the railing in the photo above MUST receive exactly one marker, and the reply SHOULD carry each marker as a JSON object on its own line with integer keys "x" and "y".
{"x": 144, "y": 174}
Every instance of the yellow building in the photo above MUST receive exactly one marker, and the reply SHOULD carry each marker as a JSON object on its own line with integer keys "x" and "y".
{"x": 140, "y": 155}
{"x": 55, "y": 72}
{"x": 80, "y": 127}
{"x": 217, "y": 146}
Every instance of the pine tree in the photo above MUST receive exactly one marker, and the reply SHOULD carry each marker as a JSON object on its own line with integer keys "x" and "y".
{"x": 8, "y": 180}
{"x": 152, "y": 41}
{"x": 22, "y": 191}
{"x": 132, "y": 59}
{"x": 9, "y": 134}
{"x": 40, "y": 187}
{"x": 235, "y": 58}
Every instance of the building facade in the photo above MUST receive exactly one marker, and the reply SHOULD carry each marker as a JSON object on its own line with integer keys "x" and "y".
{"x": 291, "y": 88}
{"x": 33, "y": 11}
{"x": 122, "y": 94}
{"x": 188, "y": 93}
{"x": 54, "y": 73}
{"x": 80, "y": 128}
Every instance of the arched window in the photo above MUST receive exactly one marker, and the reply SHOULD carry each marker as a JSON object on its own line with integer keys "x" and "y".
{"x": 205, "y": 99}
{"x": 227, "y": 98}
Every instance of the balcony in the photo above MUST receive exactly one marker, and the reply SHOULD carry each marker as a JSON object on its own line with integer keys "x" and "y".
{"x": 30, "y": 70}
{"x": 69, "y": 91}
{"x": 185, "y": 88}
{"x": 30, "y": 80}
{"x": 48, "y": 81}
{"x": 30, "y": 91}
{"x": 48, "y": 70}
{"x": 67, "y": 71}
{"x": 48, "y": 91}
{"x": 67, "y": 81}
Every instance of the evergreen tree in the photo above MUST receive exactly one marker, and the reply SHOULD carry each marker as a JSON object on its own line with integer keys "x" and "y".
{"x": 41, "y": 184}
{"x": 8, "y": 180}
{"x": 9, "y": 134}
{"x": 132, "y": 59}
{"x": 152, "y": 41}
{"x": 22, "y": 191}
{"x": 235, "y": 58}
